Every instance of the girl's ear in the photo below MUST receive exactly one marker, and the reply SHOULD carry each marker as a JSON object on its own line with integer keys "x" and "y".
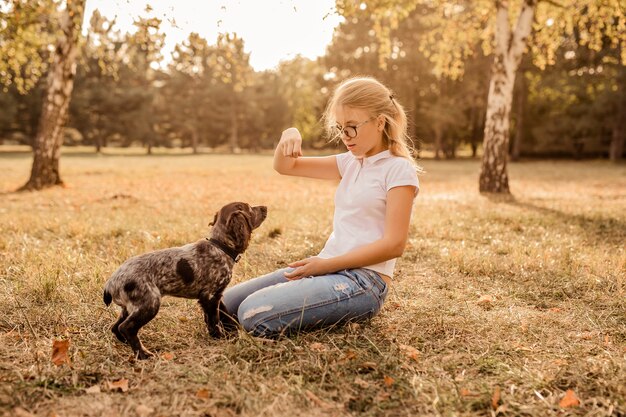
{"x": 380, "y": 122}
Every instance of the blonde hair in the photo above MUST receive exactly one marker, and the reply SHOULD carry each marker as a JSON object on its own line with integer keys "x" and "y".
{"x": 369, "y": 94}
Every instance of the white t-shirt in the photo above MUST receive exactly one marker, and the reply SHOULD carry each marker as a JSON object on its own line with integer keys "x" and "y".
{"x": 361, "y": 201}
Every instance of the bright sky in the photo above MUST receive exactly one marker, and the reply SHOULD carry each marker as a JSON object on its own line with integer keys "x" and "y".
{"x": 273, "y": 30}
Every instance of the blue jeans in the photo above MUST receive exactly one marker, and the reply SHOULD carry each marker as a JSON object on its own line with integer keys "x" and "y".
{"x": 272, "y": 305}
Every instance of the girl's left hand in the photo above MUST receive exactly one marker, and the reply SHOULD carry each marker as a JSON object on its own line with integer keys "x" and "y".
{"x": 307, "y": 267}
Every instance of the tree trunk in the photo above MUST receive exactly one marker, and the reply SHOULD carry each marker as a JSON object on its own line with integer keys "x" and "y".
{"x": 619, "y": 131}
{"x": 519, "y": 120}
{"x": 234, "y": 139}
{"x": 438, "y": 139}
{"x": 478, "y": 117}
{"x": 60, "y": 82}
{"x": 194, "y": 139}
{"x": 507, "y": 56}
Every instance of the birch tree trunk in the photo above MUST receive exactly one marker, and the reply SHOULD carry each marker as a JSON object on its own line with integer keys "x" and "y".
{"x": 60, "y": 82}
{"x": 519, "y": 122}
{"x": 507, "y": 56}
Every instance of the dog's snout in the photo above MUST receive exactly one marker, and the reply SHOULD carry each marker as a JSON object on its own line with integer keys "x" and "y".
{"x": 260, "y": 213}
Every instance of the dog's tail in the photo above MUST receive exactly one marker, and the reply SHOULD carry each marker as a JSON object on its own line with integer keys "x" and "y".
{"x": 107, "y": 297}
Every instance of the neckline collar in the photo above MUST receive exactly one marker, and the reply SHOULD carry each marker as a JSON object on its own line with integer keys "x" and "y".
{"x": 368, "y": 160}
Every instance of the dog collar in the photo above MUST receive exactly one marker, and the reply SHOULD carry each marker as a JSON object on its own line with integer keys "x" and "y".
{"x": 234, "y": 255}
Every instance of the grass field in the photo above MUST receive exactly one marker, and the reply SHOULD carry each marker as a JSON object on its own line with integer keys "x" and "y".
{"x": 499, "y": 305}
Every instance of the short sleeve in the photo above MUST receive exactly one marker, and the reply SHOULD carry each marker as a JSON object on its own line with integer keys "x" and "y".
{"x": 401, "y": 172}
{"x": 342, "y": 161}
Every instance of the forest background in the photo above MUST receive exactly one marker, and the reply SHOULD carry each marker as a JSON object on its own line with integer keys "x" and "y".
{"x": 568, "y": 97}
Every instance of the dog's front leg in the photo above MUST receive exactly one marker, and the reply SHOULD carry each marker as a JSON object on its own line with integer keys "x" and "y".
{"x": 210, "y": 304}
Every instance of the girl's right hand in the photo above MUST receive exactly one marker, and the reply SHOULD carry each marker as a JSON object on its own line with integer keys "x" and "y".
{"x": 291, "y": 143}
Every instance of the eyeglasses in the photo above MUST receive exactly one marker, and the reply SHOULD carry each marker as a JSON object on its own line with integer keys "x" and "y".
{"x": 350, "y": 131}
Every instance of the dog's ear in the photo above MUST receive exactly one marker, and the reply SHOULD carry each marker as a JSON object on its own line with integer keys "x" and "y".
{"x": 214, "y": 220}
{"x": 240, "y": 217}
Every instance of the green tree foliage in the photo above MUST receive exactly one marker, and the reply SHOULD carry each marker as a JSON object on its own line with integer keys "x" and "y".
{"x": 209, "y": 96}
{"x": 503, "y": 28}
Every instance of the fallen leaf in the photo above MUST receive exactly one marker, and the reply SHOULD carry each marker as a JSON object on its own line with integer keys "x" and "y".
{"x": 467, "y": 393}
{"x": 368, "y": 366}
{"x": 143, "y": 410}
{"x": 20, "y": 412}
{"x": 410, "y": 352}
{"x": 495, "y": 398}
{"x": 523, "y": 348}
{"x": 121, "y": 384}
{"x": 485, "y": 301}
{"x": 388, "y": 381}
{"x": 168, "y": 356}
{"x": 569, "y": 400}
{"x": 316, "y": 400}
{"x": 317, "y": 347}
{"x": 354, "y": 326}
{"x": 349, "y": 355}
{"x": 59, "y": 352}
{"x": 203, "y": 394}
{"x": 382, "y": 396}
{"x": 361, "y": 382}
{"x": 95, "y": 389}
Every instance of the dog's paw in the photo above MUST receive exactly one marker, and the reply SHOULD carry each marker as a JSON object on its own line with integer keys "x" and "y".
{"x": 144, "y": 354}
{"x": 217, "y": 332}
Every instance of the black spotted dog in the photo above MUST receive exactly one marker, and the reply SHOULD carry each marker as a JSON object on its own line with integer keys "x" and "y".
{"x": 199, "y": 270}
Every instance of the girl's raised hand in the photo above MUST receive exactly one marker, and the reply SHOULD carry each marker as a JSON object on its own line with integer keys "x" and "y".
{"x": 291, "y": 142}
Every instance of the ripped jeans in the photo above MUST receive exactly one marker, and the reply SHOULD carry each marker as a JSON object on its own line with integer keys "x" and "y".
{"x": 272, "y": 305}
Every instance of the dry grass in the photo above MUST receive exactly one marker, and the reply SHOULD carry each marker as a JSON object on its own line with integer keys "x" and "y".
{"x": 549, "y": 263}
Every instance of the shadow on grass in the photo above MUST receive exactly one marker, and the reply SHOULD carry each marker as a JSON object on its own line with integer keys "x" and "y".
{"x": 603, "y": 230}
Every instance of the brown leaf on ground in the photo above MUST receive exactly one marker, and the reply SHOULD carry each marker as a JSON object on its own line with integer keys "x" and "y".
{"x": 388, "y": 381}
{"x": 485, "y": 301}
{"x": 20, "y": 412}
{"x": 495, "y": 398}
{"x": 467, "y": 393}
{"x": 121, "y": 384}
{"x": 95, "y": 389}
{"x": 569, "y": 400}
{"x": 317, "y": 347}
{"x": 349, "y": 355}
{"x": 203, "y": 394}
{"x": 143, "y": 410}
{"x": 317, "y": 400}
{"x": 368, "y": 366}
{"x": 361, "y": 382}
{"x": 410, "y": 352}
{"x": 59, "y": 352}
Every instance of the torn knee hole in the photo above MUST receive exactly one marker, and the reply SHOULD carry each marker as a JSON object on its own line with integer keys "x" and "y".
{"x": 253, "y": 312}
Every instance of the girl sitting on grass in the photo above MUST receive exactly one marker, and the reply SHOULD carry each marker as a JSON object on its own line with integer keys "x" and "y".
{"x": 349, "y": 279}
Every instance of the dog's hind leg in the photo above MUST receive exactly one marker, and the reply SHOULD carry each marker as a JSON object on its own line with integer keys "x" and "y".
{"x": 228, "y": 322}
{"x": 115, "y": 328}
{"x": 135, "y": 321}
{"x": 210, "y": 307}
